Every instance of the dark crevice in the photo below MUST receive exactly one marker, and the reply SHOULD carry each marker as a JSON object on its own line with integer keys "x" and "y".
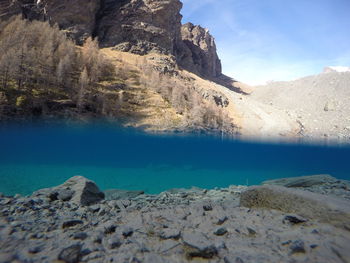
{"x": 106, "y": 8}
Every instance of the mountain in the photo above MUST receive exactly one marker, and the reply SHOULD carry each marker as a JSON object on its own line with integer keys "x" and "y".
{"x": 161, "y": 75}
{"x": 139, "y": 27}
{"x": 339, "y": 69}
{"x": 319, "y": 104}
{"x": 158, "y": 63}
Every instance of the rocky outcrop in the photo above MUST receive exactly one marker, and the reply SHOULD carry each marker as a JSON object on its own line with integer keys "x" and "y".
{"x": 137, "y": 26}
{"x": 202, "y": 55}
{"x": 77, "y": 190}
{"x": 77, "y": 17}
{"x": 140, "y": 26}
{"x": 79, "y": 23}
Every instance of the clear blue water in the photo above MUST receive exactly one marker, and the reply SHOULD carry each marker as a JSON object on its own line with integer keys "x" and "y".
{"x": 39, "y": 155}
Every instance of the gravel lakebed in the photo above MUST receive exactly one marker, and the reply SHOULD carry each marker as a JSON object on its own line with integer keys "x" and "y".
{"x": 76, "y": 222}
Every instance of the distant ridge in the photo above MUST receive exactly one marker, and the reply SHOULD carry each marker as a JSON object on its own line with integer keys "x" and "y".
{"x": 336, "y": 69}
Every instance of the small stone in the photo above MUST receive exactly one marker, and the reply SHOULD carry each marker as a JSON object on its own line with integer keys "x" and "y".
{"x": 80, "y": 235}
{"x": 35, "y": 249}
{"x": 294, "y": 219}
{"x": 239, "y": 260}
{"x": 71, "y": 223}
{"x": 297, "y": 246}
{"x": 251, "y": 231}
{"x": 114, "y": 242}
{"x": 110, "y": 228}
{"x": 315, "y": 231}
{"x": 220, "y": 231}
{"x": 71, "y": 254}
{"x": 222, "y": 220}
{"x": 207, "y": 207}
{"x": 285, "y": 243}
{"x": 313, "y": 246}
{"x": 127, "y": 232}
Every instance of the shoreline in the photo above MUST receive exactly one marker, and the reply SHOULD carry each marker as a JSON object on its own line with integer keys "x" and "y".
{"x": 186, "y": 132}
{"x": 76, "y": 222}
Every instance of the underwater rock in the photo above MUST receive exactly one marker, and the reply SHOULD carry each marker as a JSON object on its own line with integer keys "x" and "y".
{"x": 307, "y": 204}
{"x": 175, "y": 228}
{"x": 118, "y": 194}
{"x": 302, "y": 181}
{"x": 71, "y": 254}
{"x": 77, "y": 190}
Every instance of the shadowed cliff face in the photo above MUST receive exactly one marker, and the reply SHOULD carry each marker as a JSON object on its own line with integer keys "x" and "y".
{"x": 140, "y": 26}
{"x": 136, "y": 26}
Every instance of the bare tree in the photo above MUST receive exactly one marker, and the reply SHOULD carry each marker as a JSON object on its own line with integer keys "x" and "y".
{"x": 83, "y": 86}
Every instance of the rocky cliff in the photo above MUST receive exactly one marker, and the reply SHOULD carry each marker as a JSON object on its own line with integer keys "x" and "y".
{"x": 137, "y": 26}
{"x": 202, "y": 48}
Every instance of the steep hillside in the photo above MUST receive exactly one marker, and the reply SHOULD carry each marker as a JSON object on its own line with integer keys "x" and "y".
{"x": 320, "y": 104}
{"x": 179, "y": 100}
{"x": 44, "y": 75}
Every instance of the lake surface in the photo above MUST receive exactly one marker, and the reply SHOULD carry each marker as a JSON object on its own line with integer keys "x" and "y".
{"x": 34, "y": 156}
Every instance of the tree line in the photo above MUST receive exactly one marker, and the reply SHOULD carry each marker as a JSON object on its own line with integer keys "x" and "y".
{"x": 39, "y": 65}
{"x": 43, "y": 71}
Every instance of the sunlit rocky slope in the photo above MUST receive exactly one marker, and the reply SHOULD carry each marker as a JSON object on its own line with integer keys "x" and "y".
{"x": 319, "y": 104}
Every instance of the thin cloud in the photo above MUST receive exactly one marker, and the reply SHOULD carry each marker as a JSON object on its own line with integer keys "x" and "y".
{"x": 259, "y": 41}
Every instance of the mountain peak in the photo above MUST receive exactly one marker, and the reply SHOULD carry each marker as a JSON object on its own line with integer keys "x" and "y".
{"x": 331, "y": 69}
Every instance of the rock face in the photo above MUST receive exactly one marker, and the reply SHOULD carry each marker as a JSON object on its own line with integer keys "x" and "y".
{"x": 309, "y": 205}
{"x": 140, "y": 26}
{"x": 69, "y": 15}
{"x": 202, "y": 53}
{"x": 137, "y": 26}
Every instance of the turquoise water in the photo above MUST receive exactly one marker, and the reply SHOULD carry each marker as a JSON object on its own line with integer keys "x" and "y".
{"x": 40, "y": 155}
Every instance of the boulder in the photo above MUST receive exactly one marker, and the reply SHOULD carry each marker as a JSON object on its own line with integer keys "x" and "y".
{"x": 77, "y": 190}
{"x": 71, "y": 254}
{"x": 307, "y": 204}
{"x": 302, "y": 181}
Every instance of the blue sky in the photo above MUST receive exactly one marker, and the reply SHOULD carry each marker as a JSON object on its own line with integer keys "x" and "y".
{"x": 262, "y": 40}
